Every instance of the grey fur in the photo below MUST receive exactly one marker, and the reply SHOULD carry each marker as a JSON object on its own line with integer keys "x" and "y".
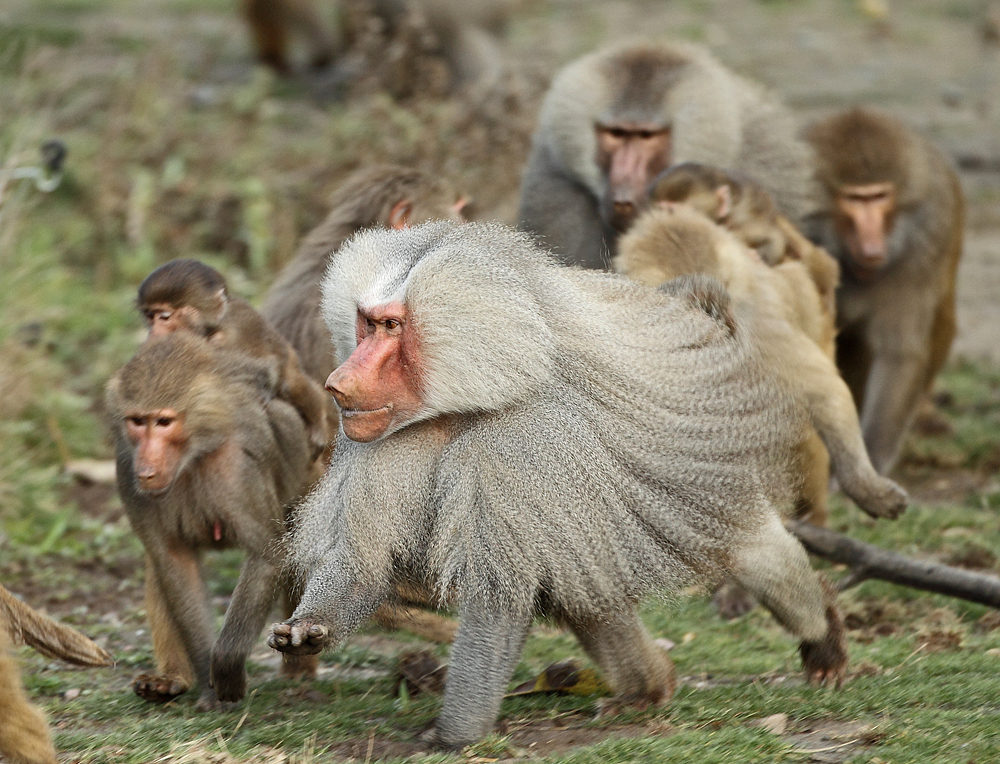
{"x": 586, "y": 440}
{"x": 717, "y": 118}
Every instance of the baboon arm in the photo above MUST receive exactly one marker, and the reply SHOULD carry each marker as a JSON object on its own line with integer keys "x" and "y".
{"x": 486, "y": 650}
{"x": 563, "y": 214}
{"x": 892, "y": 392}
{"x": 248, "y": 610}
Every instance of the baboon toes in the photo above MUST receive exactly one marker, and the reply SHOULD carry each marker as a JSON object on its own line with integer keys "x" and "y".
{"x": 158, "y": 689}
{"x": 298, "y": 637}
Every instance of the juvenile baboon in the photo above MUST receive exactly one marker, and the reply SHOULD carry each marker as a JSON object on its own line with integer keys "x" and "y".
{"x": 745, "y": 208}
{"x": 273, "y": 21}
{"x": 527, "y": 438}
{"x": 614, "y": 119}
{"x": 24, "y": 735}
{"x": 385, "y": 196}
{"x": 192, "y": 296}
{"x": 666, "y": 243}
{"x": 739, "y": 204}
{"x": 206, "y": 459}
{"x": 892, "y": 214}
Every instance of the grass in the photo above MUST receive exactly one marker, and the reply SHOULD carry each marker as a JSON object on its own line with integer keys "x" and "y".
{"x": 178, "y": 148}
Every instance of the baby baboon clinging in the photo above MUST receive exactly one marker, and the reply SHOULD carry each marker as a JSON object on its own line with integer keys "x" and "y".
{"x": 745, "y": 208}
{"x": 24, "y": 735}
{"x": 206, "y": 459}
{"x": 189, "y": 295}
{"x": 614, "y": 119}
{"x": 523, "y": 437}
{"x": 892, "y": 214}
{"x": 667, "y": 243}
{"x": 739, "y": 204}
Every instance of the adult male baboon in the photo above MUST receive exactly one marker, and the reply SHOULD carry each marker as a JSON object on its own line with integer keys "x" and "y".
{"x": 614, "y": 119}
{"x": 892, "y": 214}
{"x": 24, "y": 735}
{"x": 523, "y": 437}
{"x": 206, "y": 459}
{"x": 679, "y": 240}
{"x": 191, "y": 296}
{"x": 383, "y": 196}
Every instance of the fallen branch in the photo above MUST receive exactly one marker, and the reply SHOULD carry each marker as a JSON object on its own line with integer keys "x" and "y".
{"x": 869, "y": 561}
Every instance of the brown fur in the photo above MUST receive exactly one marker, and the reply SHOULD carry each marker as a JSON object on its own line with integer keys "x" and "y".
{"x": 667, "y": 243}
{"x": 244, "y": 460}
{"x": 272, "y": 22}
{"x": 897, "y": 322}
{"x": 24, "y": 735}
{"x": 200, "y": 302}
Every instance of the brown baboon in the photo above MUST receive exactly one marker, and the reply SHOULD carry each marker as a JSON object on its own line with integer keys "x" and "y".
{"x": 892, "y": 214}
{"x": 24, "y": 735}
{"x": 666, "y": 243}
{"x": 745, "y": 208}
{"x": 614, "y": 119}
{"x": 272, "y": 21}
{"x": 189, "y": 295}
{"x": 739, "y": 204}
{"x": 385, "y": 196}
{"x": 524, "y": 438}
{"x": 206, "y": 459}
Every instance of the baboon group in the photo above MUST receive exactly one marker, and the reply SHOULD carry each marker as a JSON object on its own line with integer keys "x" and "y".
{"x": 704, "y": 312}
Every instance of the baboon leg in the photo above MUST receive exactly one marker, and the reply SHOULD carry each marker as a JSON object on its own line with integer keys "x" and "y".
{"x": 486, "y": 650}
{"x": 775, "y": 569}
{"x": 174, "y": 674}
{"x": 295, "y": 665}
{"x": 892, "y": 393}
{"x": 638, "y": 670}
{"x": 812, "y": 503}
{"x": 248, "y": 610}
{"x": 836, "y": 420}
{"x": 24, "y": 735}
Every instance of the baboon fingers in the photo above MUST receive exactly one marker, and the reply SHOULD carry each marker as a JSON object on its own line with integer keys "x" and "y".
{"x": 298, "y": 637}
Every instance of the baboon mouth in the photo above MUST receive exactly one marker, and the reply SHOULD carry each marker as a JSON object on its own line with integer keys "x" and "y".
{"x": 349, "y": 413}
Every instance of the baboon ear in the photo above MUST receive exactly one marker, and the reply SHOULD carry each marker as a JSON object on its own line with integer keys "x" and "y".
{"x": 399, "y": 217}
{"x": 724, "y": 196}
{"x": 222, "y": 300}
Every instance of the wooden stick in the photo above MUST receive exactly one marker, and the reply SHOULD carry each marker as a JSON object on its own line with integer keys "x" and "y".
{"x": 869, "y": 561}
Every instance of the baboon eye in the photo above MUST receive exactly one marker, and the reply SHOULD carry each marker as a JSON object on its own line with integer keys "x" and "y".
{"x": 391, "y": 324}
{"x": 164, "y": 421}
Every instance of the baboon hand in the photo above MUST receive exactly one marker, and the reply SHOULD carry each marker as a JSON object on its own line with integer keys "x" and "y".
{"x": 825, "y": 660}
{"x": 298, "y": 637}
{"x": 229, "y": 678}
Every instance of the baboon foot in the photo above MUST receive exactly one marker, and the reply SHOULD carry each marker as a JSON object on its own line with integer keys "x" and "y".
{"x": 298, "y": 637}
{"x": 303, "y": 666}
{"x": 229, "y": 679}
{"x": 886, "y": 499}
{"x": 731, "y": 600}
{"x": 158, "y": 689}
{"x": 825, "y": 661}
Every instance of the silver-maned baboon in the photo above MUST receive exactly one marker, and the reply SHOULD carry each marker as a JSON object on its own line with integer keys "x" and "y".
{"x": 614, "y": 119}
{"x": 892, "y": 213}
{"x": 206, "y": 459}
{"x": 521, "y": 438}
{"x": 24, "y": 735}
